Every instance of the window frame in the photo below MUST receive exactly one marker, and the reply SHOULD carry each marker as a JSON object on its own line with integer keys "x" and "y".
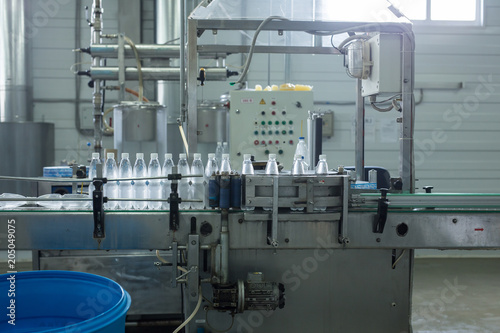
{"x": 478, "y": 22}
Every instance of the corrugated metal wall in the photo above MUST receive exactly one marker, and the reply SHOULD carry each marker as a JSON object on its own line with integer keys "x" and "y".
{"x": 457, "y": 131}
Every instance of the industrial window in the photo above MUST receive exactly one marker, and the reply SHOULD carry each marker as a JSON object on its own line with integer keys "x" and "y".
{"x": 442, "y": 12}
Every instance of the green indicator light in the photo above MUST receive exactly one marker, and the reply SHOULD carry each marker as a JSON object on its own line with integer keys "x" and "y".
{"x": 256, "y": 132}
{"x": 277, "y": 132}
{"x": 290, "y": 122}
{"x": 290, "y": 132}
{"x": 266, "y": 152}
{"x": 283, "y": 122}
{"x": 270, "y": 132}
{"x": 283, "y": 132}
{"x": 262, "y": 122}
{"x": 276, "y": 122}
{"x": 269, "y": 122}
{"x": 263, "y": 132}
{"x": 280, "y": 151}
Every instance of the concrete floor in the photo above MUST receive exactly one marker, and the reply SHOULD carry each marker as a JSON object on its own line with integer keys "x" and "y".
{"x": 449, "y": 295}
{"x": 456, "y": 295}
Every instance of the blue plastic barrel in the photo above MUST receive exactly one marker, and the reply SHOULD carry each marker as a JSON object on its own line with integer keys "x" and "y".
{"x": 61, "y": 301}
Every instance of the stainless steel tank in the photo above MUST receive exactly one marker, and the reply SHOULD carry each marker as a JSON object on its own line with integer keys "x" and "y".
{"x": 140, "y": 128}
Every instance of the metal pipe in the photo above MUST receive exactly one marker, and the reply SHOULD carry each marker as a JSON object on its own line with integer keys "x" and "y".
{"x": 224, "y": 244}
{"x": 15, "y": 75}
{"x": 360, "y": 133}
{"x": 310, "y": 139}
{"x": 144, "y": 50}
{"x": 96, "y": 30}
{"x": 153, "y": 73}
{"x": 182, "y": 65}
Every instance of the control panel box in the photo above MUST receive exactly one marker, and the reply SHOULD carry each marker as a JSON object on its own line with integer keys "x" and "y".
{"x": 385, "y": 76}
{"x": 267, "y": 122}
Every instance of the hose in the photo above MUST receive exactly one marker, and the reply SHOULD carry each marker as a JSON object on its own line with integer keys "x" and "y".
{"x": 195, "y": 311}
{"x": 182, "y": 269}
{"x": 139, "y": 67}
{"x": 252, "y": 47}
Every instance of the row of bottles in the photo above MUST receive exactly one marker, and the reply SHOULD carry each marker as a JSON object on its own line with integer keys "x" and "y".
{"x": 193, "y": 188}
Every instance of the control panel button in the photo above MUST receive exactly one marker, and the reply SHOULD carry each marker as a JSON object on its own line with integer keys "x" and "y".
{"x": 280, "y": 151}
{"x": 256, "y": 142}
{"x": 270, "y": 142}
{"x": 263, "y": 132}
{"x": 277, "y": 142}
{"x": 290, "y": 142}
{"x": 290, "y": 132}
{"x": 263, "y": 113}
{"x": 273, "y": 103}
{"x": 269, "y": 122}
{"x": 277, "y": 122}
{"x": 263, "y": 142}
{"x": 283, "y": 122}
{"x": 277, "y": 132}
{"x": 291, "y": 122}
{"x": 270, "y": 132}
{"x": 262, "y": 122}
{"x": 256, "y": 132}
{"x": 283, "y": 132}
{"x": 273, "y": 113}
{"x": 266, "y": 152}
{"x": 283, "y": 112}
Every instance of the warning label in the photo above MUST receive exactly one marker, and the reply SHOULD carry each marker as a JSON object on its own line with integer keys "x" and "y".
{"x": 262, "y": 102}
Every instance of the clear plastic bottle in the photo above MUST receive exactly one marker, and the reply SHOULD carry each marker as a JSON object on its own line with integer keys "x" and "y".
{"x": 303, "y": 151}
{"x": 165, "y": 183}
{"x": 154, "y": 187}
{"x": 125, "y": 187}
{"x": 140, "y": 186}
{"x": 209, "y": 170}
{"x": 183, "y": 188}
{"x": 298, "y": 169}
{"x": 321, "y": 169}
{"x": 322, "y": 166}
{"x": 93, "y": 171}
{"x": 247, "y": 169}
{"x": 271, "y": 170}
{"x": 225, "y": 166}
{"x": 298, "y": 165}
{"x": 225, "y": 148}
{"x": 197, "y": 187}
{"x": 272, "y": 165}
{"x": 110, "y": 171}
{"x": 218, "y": 154}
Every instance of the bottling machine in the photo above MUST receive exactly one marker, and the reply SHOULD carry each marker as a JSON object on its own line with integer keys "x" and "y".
{"x": 347, "y": 268}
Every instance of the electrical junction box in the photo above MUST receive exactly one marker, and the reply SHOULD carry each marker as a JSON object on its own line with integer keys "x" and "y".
{"x": 267, "y": 122}
{"x": 385, "y": 76}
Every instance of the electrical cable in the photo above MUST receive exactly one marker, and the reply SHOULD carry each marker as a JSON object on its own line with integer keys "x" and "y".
{"x": 252, "y": 47}
{"x": 350, "y": 39}
{"x": 195, "y": 311}
{"x": 398, "y": 259}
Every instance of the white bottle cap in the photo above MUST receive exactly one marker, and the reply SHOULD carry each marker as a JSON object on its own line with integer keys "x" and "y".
{"x": 225, "y": 156}
{"x": 197, "y": 156}
{"x": 111, "y": 155}
{"x": 168, "y": 155}
{"x": 139, "y": 156}
{"x": 272, "y": 156}
{"x": 182, "y": 156}
{"x": 224, "y": 143}
{"x": 219, "y": 143}
{"x": 125, "y": 155}
{"x": 297, "y": 157}
{"x": 154, "y": 156}
{"x": 247, "y": 156}
{"x": 322, "y": 157}
{"x": 95, "y": 156}
{"x": 211, "y": 155}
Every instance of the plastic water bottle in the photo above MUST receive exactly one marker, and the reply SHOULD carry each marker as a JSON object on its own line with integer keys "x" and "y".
{"x": 209, "y": 170}
{"x": 225, "y": 148}
{"x": 321, "y": 169}
{"x": 125, "y": 187}
{"x": 298, "y": 165}
{"x": 165, "y": 183}
{"x": 93, "y": 171}
{"x": 225, "y": 166}
{"x": 110, "y": 171}
{"x": 218, "y": 154}
{"x": 197, "y": 187}
{"x": 303, "y": 151}
{"x": 271, "y": 170}
{"x": 140, "y": 186}
{"x": 247, "y": 169}
{"x": 154, "y": 187}
{"x": 272, "y": 166}
{"x": 322, "y": 166}
{"x": 183, "y": 188}
{"x": 297, "y": 170}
